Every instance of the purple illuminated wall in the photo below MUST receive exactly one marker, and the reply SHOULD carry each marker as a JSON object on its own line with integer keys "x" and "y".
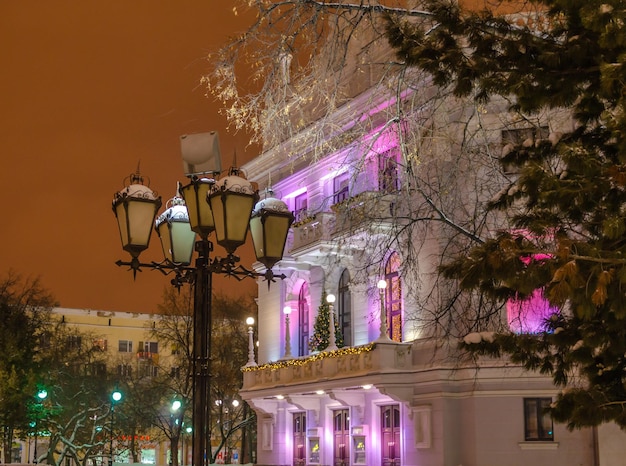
{"x": 528, "y": 315}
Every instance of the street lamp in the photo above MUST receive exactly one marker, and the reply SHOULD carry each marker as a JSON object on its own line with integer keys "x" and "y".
{"x": 226, "y": 206}
{"x": 41, "y": 395}
{"x": 287, "y": 311}
{"x": 174, "y": 424}
{"x": 115, "y": 397}
{"x": 250, "y": 323}
{"x": 332, "y": 339}
{"x": 384, "y": 333}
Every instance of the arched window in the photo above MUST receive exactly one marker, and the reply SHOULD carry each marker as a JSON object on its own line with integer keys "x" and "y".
{"x": 303, "y": 321}
{"x": 393, "y": 297}
{"x": 344, "y": 308}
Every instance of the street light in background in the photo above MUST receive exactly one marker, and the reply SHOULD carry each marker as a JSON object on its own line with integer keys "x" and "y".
{"x": 251, "y": 361}
{"x": 174, "y": 424}
{"x": 116, "y": 396}
{"x": 41, "y": 395}
{"x": 287, "y": 311}
{"x": 225, "y": 206}
{"x": 332, "y": 338}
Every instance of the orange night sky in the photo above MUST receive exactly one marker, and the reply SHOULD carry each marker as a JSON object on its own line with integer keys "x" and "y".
{"x": 87, "y": 90}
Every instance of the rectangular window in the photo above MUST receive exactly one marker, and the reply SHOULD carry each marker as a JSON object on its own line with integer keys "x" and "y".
{"x": 340, "y": 188}
{"x": 74, "y": 342}
{"x": 151, "y": 347}
{"x": 124, "y": 370}
{"x": 125, "y": 346}
{"x": 97, "y": 369}
{"x": 147, "y": 369}
{"x": 519, "y": 135}
{"x": 301, "y": 207}
{"x": 537, "y": 421}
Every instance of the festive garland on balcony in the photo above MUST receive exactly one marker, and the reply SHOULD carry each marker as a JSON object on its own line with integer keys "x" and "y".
{"x": 315, "y": 357}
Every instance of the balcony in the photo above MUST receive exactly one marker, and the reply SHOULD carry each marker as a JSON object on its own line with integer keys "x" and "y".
{"x": 374, "y": 360}
{"x": 312, "y": 230}
{"x": 369, "y": 209}
{"x": 362, "y": 211}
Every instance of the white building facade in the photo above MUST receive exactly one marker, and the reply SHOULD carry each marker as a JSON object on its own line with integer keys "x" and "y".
{"x": 396, "y": 394}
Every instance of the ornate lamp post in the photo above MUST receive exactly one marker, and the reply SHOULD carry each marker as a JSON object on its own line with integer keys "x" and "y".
{"x": 116, "y": 396}
{"x": 287, "y": 311}
{"x": 174, "y": 425}
{"x": 332, "y": 338}
{"x": 41, "y": 395}
{"x": 227, "y": 207}
{"x": 251, "y": 361}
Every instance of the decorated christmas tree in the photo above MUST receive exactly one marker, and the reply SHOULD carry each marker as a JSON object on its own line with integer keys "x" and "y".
{"x": 320, "y": 338}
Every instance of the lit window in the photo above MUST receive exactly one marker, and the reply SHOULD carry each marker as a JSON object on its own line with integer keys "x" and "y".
{"x": 393, "y": 297}
{"x": 303, "y": 321}
{"x": 537, "y": 421}
{"x": 100, "y": 344}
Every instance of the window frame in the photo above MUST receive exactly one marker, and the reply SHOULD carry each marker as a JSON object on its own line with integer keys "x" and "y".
{"x": 341, "y": 187}
{"x": 344, "y": 307}
{"x": 538, "y": 424}
{"x": 301, "y": 207}
{"x": 128, "y": 344}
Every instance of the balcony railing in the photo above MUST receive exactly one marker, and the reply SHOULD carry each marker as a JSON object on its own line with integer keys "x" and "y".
{"x": 312, "y": 230}
{"x": 363, "y": 210}
{"x": 327, "y": 366}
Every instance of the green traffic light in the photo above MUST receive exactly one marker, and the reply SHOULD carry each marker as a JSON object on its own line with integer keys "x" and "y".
{"x": 42, "y": 394}
{"x": 116, "y": 396}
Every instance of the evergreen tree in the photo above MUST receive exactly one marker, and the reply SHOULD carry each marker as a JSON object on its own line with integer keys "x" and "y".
{"x": 321, "y": 335}
{"x": 569, "y": 198}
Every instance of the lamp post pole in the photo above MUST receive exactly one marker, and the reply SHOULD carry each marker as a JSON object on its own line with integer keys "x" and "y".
{"x": 115, "y": 397}
{"x": 226, "y": 207}
{"x": 332, "y": 338}
{"x": 201, "y": 416}
{"x": 251, "y": 362}
{"x": 41, "y": 395}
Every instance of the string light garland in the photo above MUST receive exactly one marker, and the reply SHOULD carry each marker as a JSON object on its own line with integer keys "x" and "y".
{"x": 353, "y": 350}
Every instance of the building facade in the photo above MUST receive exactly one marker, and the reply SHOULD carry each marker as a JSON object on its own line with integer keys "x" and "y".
{"x": 382, "y": 201}
{"x": 124, "y": 339}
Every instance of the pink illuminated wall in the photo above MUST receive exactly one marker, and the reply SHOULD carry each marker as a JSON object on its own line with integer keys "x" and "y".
{"x": 528, "y": 315}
